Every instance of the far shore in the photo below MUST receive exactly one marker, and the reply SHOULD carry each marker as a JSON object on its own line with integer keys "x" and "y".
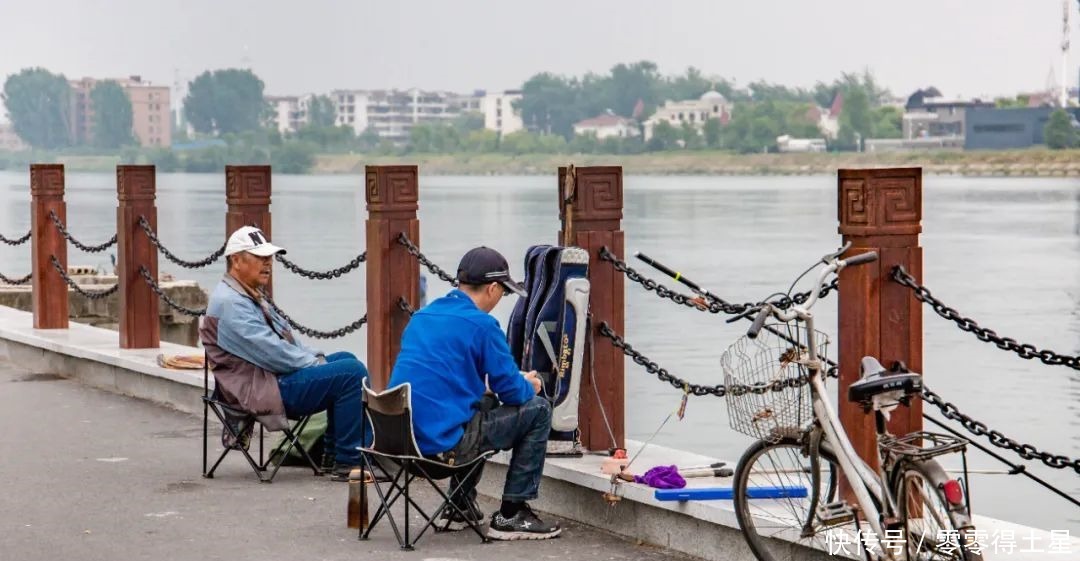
{"x": 1011, "y": 163}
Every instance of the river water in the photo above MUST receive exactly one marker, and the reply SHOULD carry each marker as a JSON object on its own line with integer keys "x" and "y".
{"x": 1002, "y": 251}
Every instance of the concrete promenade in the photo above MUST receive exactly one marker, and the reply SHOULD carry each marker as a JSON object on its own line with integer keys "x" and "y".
{"x": 91, "y": 475}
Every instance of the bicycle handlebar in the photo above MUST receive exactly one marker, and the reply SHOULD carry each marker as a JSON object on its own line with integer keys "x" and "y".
{"x": 868, "y": 257}
{"x": 759, "y": 321}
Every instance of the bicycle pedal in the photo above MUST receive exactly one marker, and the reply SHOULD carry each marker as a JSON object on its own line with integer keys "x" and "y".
{"x": 834, "y": 514}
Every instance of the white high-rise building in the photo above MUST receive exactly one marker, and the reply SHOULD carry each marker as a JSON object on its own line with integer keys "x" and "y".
{"x": 499, "y": 113}
{"x": 352, "y": 108}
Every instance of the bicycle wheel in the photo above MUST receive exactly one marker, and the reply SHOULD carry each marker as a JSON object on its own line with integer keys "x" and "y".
{"x": 774, "y": 528}
{"x": 929, "y": 518}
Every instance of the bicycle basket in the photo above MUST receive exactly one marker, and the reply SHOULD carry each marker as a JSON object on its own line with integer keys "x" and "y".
{"x": 768, "y": 393}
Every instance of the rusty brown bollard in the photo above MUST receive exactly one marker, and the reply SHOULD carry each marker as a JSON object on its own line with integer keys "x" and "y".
{"x": 247, "y": 194}
{"x": 879, "y": 210}
{"x": 136, "y": 189}
{"x": 392, "y": 273}
{"x": 594, "y": 221}
{"x": 50, "y": 297}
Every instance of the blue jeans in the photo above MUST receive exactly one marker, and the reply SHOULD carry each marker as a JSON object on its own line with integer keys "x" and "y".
{"x": 334, "y": 387}
{"x": 524, "y": 429}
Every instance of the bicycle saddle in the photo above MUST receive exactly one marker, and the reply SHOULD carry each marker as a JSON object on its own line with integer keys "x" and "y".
{"x": 877, "y": 380}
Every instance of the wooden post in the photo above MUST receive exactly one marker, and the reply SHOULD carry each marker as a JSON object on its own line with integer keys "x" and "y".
{"x": 247, "y": 194}
{"x": 879, "y": 210}
{"x": 50, "y": 296}
{"x": 392, "y": 273}
{"x": 135, "y": 191}
{"x": 594, "y": 221}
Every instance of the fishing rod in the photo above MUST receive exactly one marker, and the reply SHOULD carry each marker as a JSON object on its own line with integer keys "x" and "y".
{"x": 676, "y": 275}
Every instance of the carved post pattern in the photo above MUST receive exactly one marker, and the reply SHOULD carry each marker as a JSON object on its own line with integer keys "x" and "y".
{"x": 247, "y": 194}
{"x": 879, "y": 210}
{"x": 391, "y": 193}
{"x": 595, "y": 222}
{"x": 50, "y": 296}
{"x": 136, "y": 189}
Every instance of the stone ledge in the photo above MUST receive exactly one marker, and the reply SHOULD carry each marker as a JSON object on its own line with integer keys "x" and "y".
{"x": 571, "y": 488}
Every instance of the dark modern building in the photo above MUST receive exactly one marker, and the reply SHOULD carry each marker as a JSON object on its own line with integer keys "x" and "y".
{"x": 999, "y": 129}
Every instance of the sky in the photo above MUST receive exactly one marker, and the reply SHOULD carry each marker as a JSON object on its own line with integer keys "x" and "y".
{"x": 963, "y": 47}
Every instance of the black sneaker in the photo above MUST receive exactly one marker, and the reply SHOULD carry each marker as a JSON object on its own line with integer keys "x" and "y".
{"x": 524, "y": 525}
{"x": 451, "y": 521}
{"x": 341, "y": 471}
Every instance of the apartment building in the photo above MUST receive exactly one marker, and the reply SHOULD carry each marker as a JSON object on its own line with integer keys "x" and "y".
{"x": 151, "y": 122}
{"x": 287, "y": 112}
{"x": 499, "y": 113}
{"x": 352, "y": 108}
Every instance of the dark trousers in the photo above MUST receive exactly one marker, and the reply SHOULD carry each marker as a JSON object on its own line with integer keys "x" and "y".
{"x": 334, "y": 387}
{"x": 521, "y": 428}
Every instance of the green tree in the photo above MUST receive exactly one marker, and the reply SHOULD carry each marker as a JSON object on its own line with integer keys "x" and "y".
{"x": 629, "y": 83}
{"x": 321, "y": 112}
{"x": 39, "y": 104}
{"x": 224, "y": 101}
{"x": 369, "y": 139}
{"x": 584, "y": 144}
{"x": 469, "y": 122}
{"x": 549, "y": 104}
{"x": 856, "y": 120}
{"x": 481, "y": 141}
{"x": 294, "y": 157}
{"x": 1059, "y": 131}
{"x": 712, "y": 131}
{"x": 887, "y": 122}
{"x": 112, "y": 115}
{"x": 664, "y": 137}
{"x": 690, "y": 85}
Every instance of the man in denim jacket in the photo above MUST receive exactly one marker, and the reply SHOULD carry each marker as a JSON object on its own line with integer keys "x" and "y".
{"x": 260, "y": 367}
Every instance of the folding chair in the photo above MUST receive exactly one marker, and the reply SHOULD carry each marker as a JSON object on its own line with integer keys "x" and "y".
{"x": 393, "y": 440}
{"x": 236, "y": 435}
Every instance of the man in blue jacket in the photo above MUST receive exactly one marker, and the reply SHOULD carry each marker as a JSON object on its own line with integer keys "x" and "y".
{"x": 259, "y": 366}
{"x": 448, "y": 350}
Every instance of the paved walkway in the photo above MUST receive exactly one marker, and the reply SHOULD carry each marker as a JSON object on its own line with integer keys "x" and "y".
{"x": 91, "y": 476}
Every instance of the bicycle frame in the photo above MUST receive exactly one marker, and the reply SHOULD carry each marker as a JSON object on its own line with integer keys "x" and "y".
{"x": 864, "y": 482}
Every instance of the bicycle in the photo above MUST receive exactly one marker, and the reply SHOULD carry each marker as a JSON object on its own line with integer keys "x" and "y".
{"x": 776, "y": 393}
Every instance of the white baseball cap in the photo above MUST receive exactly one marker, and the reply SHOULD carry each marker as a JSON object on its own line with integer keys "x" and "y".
{"x": 251, "y": 240}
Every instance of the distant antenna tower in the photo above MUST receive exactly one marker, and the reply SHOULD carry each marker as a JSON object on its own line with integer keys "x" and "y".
{"x": 1064, "y": 100}
{"x": 245, "y": 61}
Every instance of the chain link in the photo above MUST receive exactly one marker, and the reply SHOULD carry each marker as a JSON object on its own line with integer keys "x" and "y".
{"x": 335, "y": 334}
{"x": 978, "y": 428}
{"x": 77, "y": 243}
{"x": 415, "y": 251}
{"x": 92, "y": 295}
{"x": 165, "y": 297}
{"x": 18, "y": 281}
{"x": 1024, "y": 350}
{"x": 712, "y": 306}
{"x": 316, "y": 275}
{"x": 718, "y": 390}
{"x": 145, "y": 225}
{"x": 405, "y": 307}
{"x": 15, "y": 241}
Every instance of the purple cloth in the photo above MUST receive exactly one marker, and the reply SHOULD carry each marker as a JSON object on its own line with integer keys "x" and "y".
{"x": 662, "y": 477}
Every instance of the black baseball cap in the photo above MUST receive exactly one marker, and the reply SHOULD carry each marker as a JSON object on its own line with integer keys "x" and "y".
{"x": 482, "y": 265}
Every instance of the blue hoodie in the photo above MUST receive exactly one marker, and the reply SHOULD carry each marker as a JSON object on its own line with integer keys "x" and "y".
{"x": 446, "y": 351}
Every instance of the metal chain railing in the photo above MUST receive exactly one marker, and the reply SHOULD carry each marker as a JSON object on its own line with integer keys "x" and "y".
{"x": 15, "y": 241}
{"x": 341, "y": 332}
{"x": 145, "y": 225}
{"x": 316, "y": 275}
{"x": 165, "y": 297}
{"x": 87, "y": 248}
{"x": 18, "y": 281}
{"x": 415, "y": 251}
{"x": 1024, "y": 350}
{"x": 701, "y": 304}
{"x": 696, "y": 389}
{"x": 405, "y": 307}
{"x": 92, "y": 295}
{"x": 1026, "y": 451}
